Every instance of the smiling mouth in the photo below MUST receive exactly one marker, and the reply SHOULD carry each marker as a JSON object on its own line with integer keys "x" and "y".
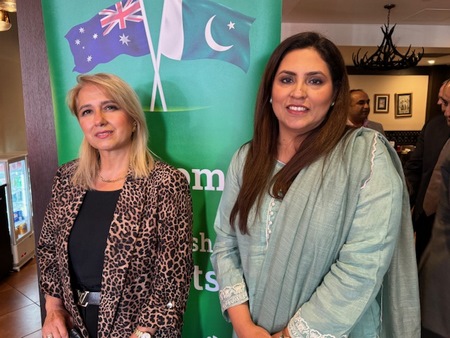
{"x": 103, "y": 133}
{"x": 297, "y": 108}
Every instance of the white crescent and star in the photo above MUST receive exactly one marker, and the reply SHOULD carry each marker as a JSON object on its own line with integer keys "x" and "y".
{"x": 210, "y": 40}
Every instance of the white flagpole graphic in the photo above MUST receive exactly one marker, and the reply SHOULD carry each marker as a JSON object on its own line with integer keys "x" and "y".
{"x": 171, "y": 35}
{"x": 157, "y": 79}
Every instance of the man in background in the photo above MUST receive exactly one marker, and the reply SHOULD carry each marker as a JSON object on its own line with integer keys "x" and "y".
{"x": 420, "y": 166}
{"x": 359, "y": 111}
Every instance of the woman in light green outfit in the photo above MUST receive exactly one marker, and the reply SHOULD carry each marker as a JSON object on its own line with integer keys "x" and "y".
{"x": 314, "y": 236}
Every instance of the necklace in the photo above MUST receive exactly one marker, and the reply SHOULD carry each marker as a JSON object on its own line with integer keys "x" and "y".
{"x": 112, "y": 180}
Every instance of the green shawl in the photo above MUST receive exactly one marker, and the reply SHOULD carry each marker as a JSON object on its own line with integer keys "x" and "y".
{"x": 301, "y": 259}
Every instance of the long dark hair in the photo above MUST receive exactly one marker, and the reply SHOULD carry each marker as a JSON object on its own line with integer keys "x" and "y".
{"x": 262, "y": 153}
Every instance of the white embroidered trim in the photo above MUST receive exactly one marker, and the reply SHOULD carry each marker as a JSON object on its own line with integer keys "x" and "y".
{"x": 381, "y": 307}
{"x": 269, "y": 220}
{"x": 298, "y": 327}
{"x": 372, "y": 160}
{"x": 233, "y": 295}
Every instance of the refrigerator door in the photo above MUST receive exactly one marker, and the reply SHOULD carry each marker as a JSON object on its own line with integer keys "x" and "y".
{"x": 20, "y": 198}
{"x": 3, "y": 172}
{"x": 6, "y": 258}
{"x": 14, "y": 172}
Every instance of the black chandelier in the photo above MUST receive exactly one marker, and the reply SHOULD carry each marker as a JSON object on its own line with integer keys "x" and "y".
{"x": 387, "y": 57}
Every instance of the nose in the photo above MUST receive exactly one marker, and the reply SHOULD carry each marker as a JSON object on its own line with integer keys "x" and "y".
{"x": 99, "y": 118}
{"x": 299, "y": 90}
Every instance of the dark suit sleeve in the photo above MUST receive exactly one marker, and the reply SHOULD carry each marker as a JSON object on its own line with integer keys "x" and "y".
{"x": 413, "y": 168}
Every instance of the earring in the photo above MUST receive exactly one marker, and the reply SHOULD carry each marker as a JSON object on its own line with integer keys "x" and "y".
{"x": 270, "y": 100}
{"x": 134, "y": 126}
{"x": 332, "y": 104}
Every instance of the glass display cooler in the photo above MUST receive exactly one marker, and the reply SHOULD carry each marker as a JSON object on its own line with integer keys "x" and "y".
{"x": 6, "y": 260}
{"x": 14, "y": 173}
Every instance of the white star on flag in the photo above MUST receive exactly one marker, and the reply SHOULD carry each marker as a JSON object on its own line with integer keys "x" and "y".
{"x": 124, "y": 39}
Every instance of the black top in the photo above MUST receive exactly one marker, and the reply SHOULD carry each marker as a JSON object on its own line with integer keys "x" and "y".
{"x": 87, "y": 241}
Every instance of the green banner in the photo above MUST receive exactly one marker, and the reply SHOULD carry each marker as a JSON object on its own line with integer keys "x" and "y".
{"x": 196, "y": 66}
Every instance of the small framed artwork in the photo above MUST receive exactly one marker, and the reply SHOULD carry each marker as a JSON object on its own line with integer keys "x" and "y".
{"x": 403, "y": 105}
{"x": 381, "y": 103}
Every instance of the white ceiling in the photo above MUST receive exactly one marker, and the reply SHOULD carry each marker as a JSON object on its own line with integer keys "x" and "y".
{"x": 421, "y": 23}
{"x": 414, "y": 12}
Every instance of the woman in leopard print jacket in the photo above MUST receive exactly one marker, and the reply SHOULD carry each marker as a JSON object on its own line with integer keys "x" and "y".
{"x": 119, "y": 225}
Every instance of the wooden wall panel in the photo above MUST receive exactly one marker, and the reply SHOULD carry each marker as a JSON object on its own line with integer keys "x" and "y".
{"x": 38, "y": 107}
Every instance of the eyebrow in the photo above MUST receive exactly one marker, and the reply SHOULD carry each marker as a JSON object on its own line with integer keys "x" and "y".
{"x": 90, "y": 105}
{"x": 288, "y": 72}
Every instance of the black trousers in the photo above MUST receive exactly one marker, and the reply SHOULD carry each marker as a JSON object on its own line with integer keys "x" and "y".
{"x": 423, "y": 227}
{"x": 429, "y": 334}
{"x": 89, "y": 314}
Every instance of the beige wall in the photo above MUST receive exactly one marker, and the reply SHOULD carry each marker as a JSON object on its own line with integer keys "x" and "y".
{"x": 12, "y": 118}
{"x": 376, "y": 84}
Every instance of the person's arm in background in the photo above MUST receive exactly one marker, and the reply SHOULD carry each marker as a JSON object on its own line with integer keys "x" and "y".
{"x": 413, "y": 168}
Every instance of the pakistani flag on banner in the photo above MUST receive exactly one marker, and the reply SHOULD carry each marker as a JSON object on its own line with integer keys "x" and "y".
{"x": 204, "y": 29}
{"x": 196, "y": 66}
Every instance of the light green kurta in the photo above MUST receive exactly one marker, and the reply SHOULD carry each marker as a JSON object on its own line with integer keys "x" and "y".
{"x": 317, "y": 260}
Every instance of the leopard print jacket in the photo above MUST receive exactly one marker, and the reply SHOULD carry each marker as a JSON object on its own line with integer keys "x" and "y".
{"x": 148, "y": 258}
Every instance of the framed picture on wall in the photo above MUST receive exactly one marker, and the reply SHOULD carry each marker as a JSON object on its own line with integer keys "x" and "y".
{"x": 403, "y": 105}
{"x": 381, "y": 103}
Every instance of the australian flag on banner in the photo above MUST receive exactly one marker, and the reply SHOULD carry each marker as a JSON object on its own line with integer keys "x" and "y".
{"x": 118, "y": 29}
{"x": 204, "y": 29}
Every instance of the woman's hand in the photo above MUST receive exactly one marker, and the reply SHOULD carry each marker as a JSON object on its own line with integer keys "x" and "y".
{"x": 243, "y": 324}
{"x": 144, "y": 329}
{"x": 57, "y": 320}
{"x": 254, "y": 331}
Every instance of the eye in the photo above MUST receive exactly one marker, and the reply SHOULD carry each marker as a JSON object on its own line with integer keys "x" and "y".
{"x": 445, "y": 102}
{"x": 84, "y": 112}
{"x": 286, "y": 79}
{"x": 315, "y": 81}
{"x": 111, "y": 107}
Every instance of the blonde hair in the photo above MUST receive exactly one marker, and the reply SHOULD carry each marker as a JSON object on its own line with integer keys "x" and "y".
{"x": 141, "y": 159}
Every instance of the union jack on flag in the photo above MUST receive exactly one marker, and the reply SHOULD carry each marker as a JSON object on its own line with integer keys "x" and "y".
{"x": 118, "y": 29}
{"x": 120, "y": 15}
